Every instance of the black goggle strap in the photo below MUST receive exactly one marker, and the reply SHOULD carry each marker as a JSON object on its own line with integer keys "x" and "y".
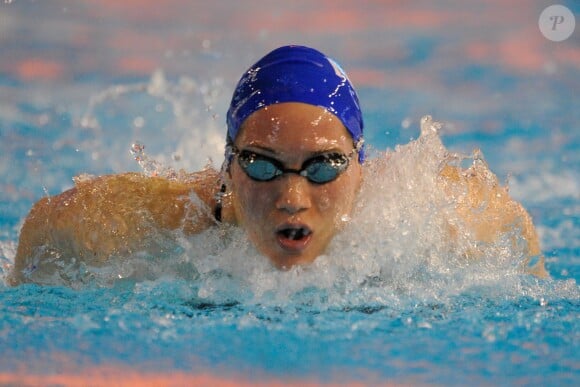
{"x": 230, "y": 152}
{"x": 219, "y": 203}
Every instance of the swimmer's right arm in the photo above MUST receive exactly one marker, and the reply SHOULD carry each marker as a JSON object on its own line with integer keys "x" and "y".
{"x": 111, "y": 216}
{"x": 488, "y": 211}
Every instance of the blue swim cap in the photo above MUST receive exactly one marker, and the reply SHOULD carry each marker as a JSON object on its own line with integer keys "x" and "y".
{"x": 296, "y": 74}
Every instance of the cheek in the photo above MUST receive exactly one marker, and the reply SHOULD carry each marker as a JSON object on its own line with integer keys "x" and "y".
{"x": 256, "y": 201}
{"x": 251, "y": 201}
{"x": 337, "y": 200}
{"x": 331, "y": 202}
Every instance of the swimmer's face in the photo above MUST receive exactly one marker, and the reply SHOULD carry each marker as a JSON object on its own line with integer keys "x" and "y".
{"x": 290, "y": 219}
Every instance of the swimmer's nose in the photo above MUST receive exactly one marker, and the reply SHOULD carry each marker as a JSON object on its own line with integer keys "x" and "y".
{"x": 294, "y": 195}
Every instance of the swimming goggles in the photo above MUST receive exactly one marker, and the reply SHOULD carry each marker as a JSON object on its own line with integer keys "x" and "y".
{"x": 319, "y": 169}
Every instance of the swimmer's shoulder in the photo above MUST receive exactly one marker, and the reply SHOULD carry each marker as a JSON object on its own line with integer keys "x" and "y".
{"x": 115, "y": 215}
{"x": 186, "y": 201}
{"x": 166, "y": 201}
{"x": 488, "y": 210}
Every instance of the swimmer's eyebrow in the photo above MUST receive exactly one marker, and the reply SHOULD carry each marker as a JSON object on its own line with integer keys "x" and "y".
{"x": 310, "y": 154}
{"x": 263, "y": 148}
{"x": 326, "y": 151}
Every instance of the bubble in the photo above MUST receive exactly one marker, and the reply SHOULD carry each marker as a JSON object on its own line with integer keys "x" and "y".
{"x": 139, "y": 122}
{"x": 158, "y": 84}
{"x": 345, "y": 218}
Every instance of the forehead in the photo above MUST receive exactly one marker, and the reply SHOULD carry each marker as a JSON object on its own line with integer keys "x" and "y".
{"x": 293, "y": 126}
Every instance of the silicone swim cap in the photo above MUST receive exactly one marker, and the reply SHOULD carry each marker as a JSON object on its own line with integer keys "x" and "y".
{"x": 296, "y": 74}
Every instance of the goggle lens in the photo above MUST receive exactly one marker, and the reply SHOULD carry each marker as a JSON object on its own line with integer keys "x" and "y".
{"x": 319, "y": 169}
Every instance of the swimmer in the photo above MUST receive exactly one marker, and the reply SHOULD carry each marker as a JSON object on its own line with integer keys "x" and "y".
{"x": 292, "y": 171}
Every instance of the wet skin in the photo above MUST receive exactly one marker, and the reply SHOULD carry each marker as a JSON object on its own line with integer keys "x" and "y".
{"x": 289, "y": 219}
{"x": 272, "y": 211}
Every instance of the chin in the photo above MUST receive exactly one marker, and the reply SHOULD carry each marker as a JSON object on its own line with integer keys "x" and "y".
{"x": 286, "y": 262}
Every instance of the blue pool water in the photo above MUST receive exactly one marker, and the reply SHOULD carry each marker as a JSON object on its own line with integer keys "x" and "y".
{"x": 82, "y": 81}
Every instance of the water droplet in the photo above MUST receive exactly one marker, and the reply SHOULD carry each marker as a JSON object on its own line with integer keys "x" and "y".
{"x": 83, "y": 177}
{"x": 543, "y": 302}
{"x": 137, "y": 148}
{"x": 477, "y": 154}
{"x": 428, "y": 126}
{"x": 139, "y": 122}
{"x": 157, "y": 84}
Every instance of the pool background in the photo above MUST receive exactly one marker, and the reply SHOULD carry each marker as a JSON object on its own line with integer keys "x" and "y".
{"x": 81, "y": 81}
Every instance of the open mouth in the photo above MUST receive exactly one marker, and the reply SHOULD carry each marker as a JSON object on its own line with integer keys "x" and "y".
{"x": 294, "y": 238}
{"x": 294, "y": 233}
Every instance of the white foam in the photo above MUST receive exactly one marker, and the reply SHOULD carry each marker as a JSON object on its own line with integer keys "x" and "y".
{"x": 7, "y": 254}
{"x": 395, "y": 245}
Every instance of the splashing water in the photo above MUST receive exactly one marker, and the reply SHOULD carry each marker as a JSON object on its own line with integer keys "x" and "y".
{"x": 180, "y": 113}
{"x": 393, "y": 268}
{"x": 150, "y": 167}
{"x": 396, "y": 245}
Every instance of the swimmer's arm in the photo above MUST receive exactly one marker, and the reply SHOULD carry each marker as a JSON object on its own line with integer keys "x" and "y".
{"x": 488, "y": 211}
{"x": 114, "y": 215}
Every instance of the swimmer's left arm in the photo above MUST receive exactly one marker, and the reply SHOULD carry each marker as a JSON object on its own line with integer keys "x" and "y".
{"x": 488, "y": 211}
